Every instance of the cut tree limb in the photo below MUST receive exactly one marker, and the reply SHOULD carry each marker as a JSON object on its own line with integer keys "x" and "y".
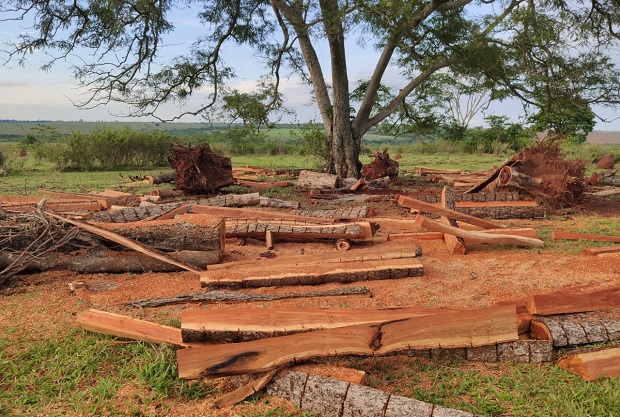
{"x": 489, "y": 238}
{"x": 451, "y": 214}
{"x": 123, "y": 241}
{"x": 470, "y": 328}
{"x": 574, "y": 300}
{"x": 593, "y": 365}
{"x": 236, "y": 297}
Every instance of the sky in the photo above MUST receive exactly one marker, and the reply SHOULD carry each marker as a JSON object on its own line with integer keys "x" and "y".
{"x": 27, "y": 93}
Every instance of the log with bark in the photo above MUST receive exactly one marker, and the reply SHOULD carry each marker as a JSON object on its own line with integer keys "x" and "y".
{"x": 317, "y": 180}
{"x": 133, "y": 214}
{"x": 230, "y": 200}
{"x": 237, "y": 297}
{"x": 577, "y": 329}
{"x": 278, "y": 203}
{"x": 199, "y": 170}
{"x": 290, "y": 229}
{"x": 343, "y": 213}
{"x": 163, "y": 178}
{"x": 185, "y": 232}
{"x": 499, "y": 210}
{"x": 229, "y": 212}
{"x": 594, "y": 364}
{"x": 495, "y": 173}
{"x": 250, "y": 324}
{"x": 471, "y": 328}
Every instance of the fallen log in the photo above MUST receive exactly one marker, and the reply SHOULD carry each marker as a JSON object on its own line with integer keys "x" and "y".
{"x": 503, "y": 210}
{"x": 451, "y": 214}
{"x": 495, "y": 172}
{"x": 236, "y": 297}
{"x": 298, "y": 230}
{"x": 468, "y": 328}
{"x": 228, "y": 212}
{"x": 128, "y": 327}
{"x": 251, "y": 324}
{"x": 512, "y": 177}
{"x": 574, "y": 300}
{"x": 275, "y": 202}
{"x": 133, "y": 214}
{"x": 123, "y": 241}
{"x": 601, "y": 251}
{"x": 319, "y": 273}
{"x": 186, "y": 232}
{"x": 104, "y": 203}
{"x": 231, "y": 200}
{"x": 120, "y": 198}
{"x": 593, "y": 365}
{"x": 612, "y": 180}
{"x": 163, "y": 178}
{"x": 577, "y": 329}
{"x": 317, "y": 180}
{"x": 112, "y": 262}
{"x": 497, "y": 239}
{"x": 343, "y": 213}
{"x": 558, "y": 234}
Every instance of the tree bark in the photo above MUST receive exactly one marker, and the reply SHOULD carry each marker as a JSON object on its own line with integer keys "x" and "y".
{"x": 577, "y": 329}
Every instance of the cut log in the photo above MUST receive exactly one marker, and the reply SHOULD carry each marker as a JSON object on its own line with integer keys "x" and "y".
{"x": 593, "y": 365}
{"x": 455, "y": 245}
{"x": 198, "y": 170}
{"x": 343, "y": 213}
{"x": 231, "y": 200}
{"x": 112, "y": 262}
{"x": 275, "y": 202}
{"x": 497, "y": 239}
{"x": 244, "y": 325}
{"x": 601, "y": 251}
{"x": 120, "y": 198}
{"x": 164, "y": 178}
{"x": 511, "y": 177}
{"x": 502, "y": 209}
{"x": 469, "y": 328}
{"x": 317, "y": 180}
{"x": 318, "y": 274}
{"x": 128, "y": 327}
{"x": 613, "y": 180}
{"x": 186, "y": 232}
{"x": 495, "y": 172}
{"x": 574, "y": 300}
{"x": 298, "y": 230}
{"x": 237, "y": 297}
{"x": 577, "y": 329}
{"x": 451, "y": 214}
{"x": 170, "y": 214}
{"x": 165, "y": 193}
{"x": 228, "y": 212}
{"x": 133, "y": 214}
{"x": 123, "y": 241}
{"x": 558, "y": 234}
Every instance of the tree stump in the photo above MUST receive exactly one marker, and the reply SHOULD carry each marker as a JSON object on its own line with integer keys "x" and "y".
{"x": 198, "y": 170}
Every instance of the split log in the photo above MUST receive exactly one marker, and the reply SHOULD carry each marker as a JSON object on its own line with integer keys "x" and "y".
{"x": 451, "y": 214}
{"x": 497, "y": 239}
{"x": 298, "y": 230}
{"x": 241, "y": 393}
{"x": 317, "y": 180}
{"x": 231, "y": 200}
{"x": 524, "y": 232}
{"x": 120, "y": 198}
{"x": 29, "y": 204}
{"x": 251, "y": 324}
{"x": 328, "y": 397}
{"x": 574, "y": 300}
{"x": 128, "y": 327}
{"x": 343, "y": 213}
{"x": 104, "y": 203}
{"x": 123, "y": 241}
{"x": 470, "y": 328}
{"x": 164, "y": 178}
{"x": 275, "y": 202}
{"x": 199, "y": 170}
{"x": 133, "y": 214}
{"x": 455, "y": 245}
{"x": 228, "y": 212}
{"x": 577, "y": 329}
{"x": 317, "y": 274}
{"x": 593, "y": 365}
{"x": 236, "y": 297}
{"x": 557, "y": 234}
{"x": 187, "y": 232}
{"x": 600, "y": 251}
{"x": 112, "y": 262}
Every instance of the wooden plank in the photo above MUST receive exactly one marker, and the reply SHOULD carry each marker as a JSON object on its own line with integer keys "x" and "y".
{"x": 451, "y": 214}
{"x": 498, "y": 239}
{"x": 469, "y": 328}
{"x": 574, "y": 300}
{"x": 251, "y": 324}
{"x": 601, "y": 251}
{"x": 128, "y": 327}
{"x": 558, "y": 234}
{"x": 319, "y": 273}
{"x": 229, "y": 212}
{"x": 104, "y": 203}
{"x": 593, "y": 365}
{"x": 416, "y": 235}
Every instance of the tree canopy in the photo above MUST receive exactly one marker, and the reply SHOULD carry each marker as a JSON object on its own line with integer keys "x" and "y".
{"x": 553, "y": 55}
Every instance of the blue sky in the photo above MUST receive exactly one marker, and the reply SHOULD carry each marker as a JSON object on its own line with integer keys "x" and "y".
{"x": 31, "y": 94}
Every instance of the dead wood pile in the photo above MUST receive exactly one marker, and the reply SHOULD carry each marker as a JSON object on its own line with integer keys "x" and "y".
{"x": 199, "y": 170}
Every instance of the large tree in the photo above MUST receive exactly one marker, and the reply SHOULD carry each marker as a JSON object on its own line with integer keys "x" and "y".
{"x": 532, "y": 49}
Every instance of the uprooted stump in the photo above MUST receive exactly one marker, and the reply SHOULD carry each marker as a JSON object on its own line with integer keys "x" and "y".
{"x": 381, "y": 166}
{"x": 199, "y": 170}
{"x": 545, "y": 175}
